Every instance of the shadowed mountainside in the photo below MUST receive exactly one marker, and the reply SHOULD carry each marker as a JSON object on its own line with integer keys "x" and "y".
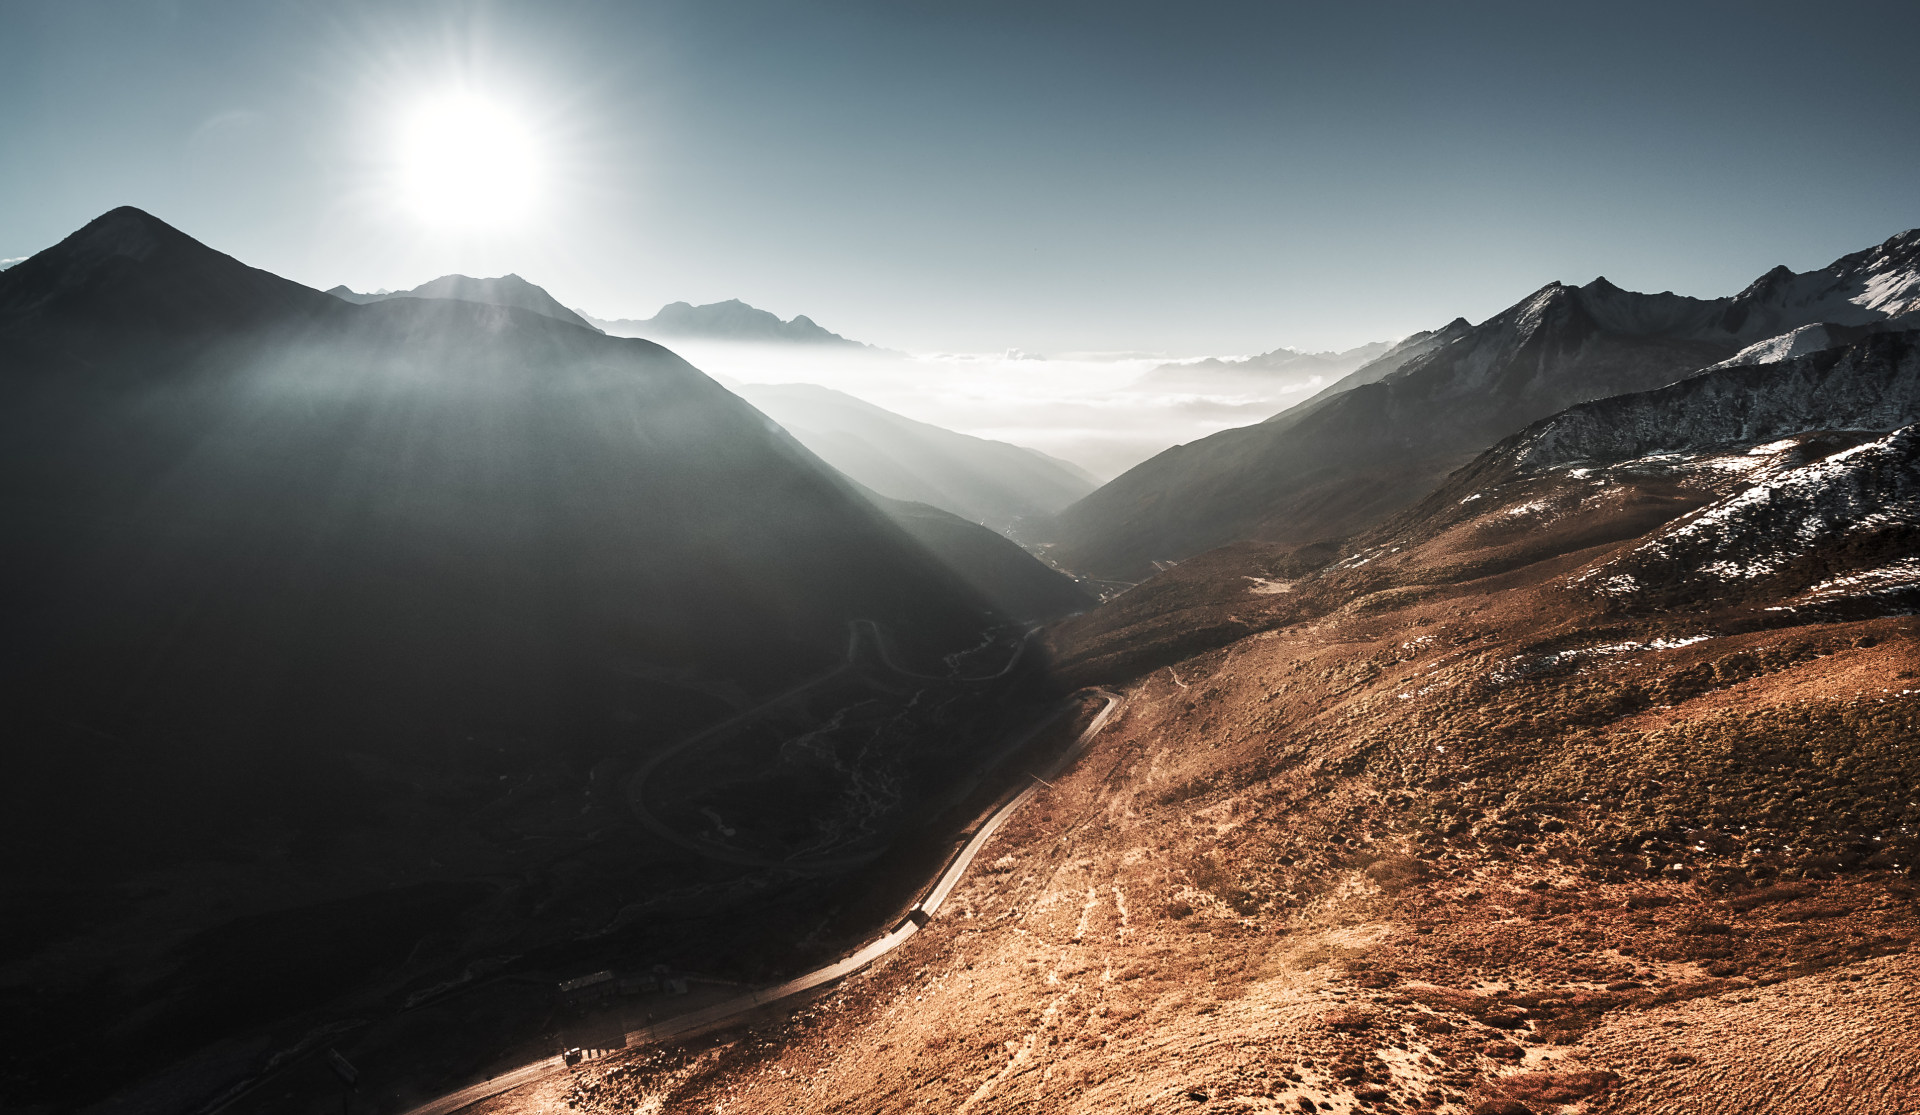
{"x": 333, "y": 630}
{"x": 911, "y": 470}
{"x": 1008, "y": 577}
{"x": 991, "y": 482}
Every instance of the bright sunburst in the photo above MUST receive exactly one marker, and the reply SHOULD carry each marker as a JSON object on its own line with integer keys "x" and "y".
{"x": 467, "y": 161}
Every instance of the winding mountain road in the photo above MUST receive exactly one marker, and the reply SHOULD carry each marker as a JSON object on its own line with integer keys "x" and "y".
{"x": 732, "y": 1010}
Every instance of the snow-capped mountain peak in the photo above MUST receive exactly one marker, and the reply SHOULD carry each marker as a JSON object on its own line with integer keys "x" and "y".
{"x": 1880, "y": 283}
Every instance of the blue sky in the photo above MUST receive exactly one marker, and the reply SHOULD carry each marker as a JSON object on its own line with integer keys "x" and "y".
{"x": 1186, "y": 178}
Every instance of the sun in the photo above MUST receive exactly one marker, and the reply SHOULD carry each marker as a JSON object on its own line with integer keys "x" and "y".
{"x": 466, "y": 161}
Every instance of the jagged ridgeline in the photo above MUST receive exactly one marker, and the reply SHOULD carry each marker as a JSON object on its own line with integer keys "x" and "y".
{"x": 1390, "y": 432}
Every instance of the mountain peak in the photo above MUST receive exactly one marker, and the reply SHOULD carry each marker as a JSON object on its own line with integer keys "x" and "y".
{"x": 1528, "y": 315}
{"x": 122, "y": 233}
{"x": 731, "y": 320}
{"x": 139, "y": 271}
{"x": 125, "y": 231}
{"x": 1902, "y": 249}
{"x": 505, "y": 290}
{"x": 1555, "y": 291}
{"x": 1775, "y": 277}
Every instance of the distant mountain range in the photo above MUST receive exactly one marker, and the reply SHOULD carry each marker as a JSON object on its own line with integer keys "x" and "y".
{"x": 732, "y": 320}
{"x": 1389, "y": 361}
{"x": 507, "y": 290}
{"x": 1390, "y": 432}
{"x": 1282, "y": 365}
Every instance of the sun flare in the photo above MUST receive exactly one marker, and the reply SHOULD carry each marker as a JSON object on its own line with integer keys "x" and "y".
{"x": 466, "y": 161}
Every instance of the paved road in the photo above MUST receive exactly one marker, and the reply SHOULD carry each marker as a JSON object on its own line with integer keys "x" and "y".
{"x": 728, "y": 1011}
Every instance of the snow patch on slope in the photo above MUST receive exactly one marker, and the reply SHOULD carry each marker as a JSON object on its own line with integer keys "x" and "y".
{"x": 1807, "y": 338}
{"x": 1768, "y": 526}
{"x": 1898, "y": 577}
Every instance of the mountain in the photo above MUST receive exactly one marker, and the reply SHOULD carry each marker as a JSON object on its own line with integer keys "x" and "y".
{"x": 1742, "y": 488}
{"x": 126, "y": 274}
{"x": 732, "y": 320}
{"x": 1335, "y": 465}
{"x": 1281, "y": 366}
{"x": 1006, "y": 576}
{"x": 1451, "y": 818}
{"x": 1814, "y": 460}
{"x": 1003, "y": 486}
{"x": 1392, "y": 360}
{"x": 353, "y": 651}
{"x": 507, "y": 290}
{"x": 935, "y": 484}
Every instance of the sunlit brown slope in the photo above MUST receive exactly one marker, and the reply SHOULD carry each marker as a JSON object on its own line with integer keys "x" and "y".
{"x": 1444, "y": 824}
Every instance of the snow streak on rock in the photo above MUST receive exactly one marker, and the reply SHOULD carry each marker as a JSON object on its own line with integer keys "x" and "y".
{"x": 1782, "y": 524}
{"x": 1873, "y": 384}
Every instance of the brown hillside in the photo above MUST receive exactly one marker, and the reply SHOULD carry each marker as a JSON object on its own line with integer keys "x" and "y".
{"x": 1434, "y": 828}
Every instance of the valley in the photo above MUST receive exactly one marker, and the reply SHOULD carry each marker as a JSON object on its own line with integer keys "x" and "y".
{"x": 1256, "y": 622}
{"x": 1581, "y": 784}
{"x": 1438, "y": 839}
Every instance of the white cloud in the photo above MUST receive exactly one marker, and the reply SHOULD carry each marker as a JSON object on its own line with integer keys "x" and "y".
{"x": 1102, "y": 411}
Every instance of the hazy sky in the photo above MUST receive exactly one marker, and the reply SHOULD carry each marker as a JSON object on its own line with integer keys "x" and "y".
{"x": 1185, "y": 177}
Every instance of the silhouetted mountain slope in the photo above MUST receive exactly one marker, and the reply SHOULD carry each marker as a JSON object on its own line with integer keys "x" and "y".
{"x": 1014, "y": 581}
{"x": 1333, "y": 466}
{"x": 732, "y": 320}
{"x": 126, "y": 276}
{"x": 507, "y": 290}
{"x": 414, "y": 517}
{"x": 989, "y": 482}
{"x": 342, "y": 627}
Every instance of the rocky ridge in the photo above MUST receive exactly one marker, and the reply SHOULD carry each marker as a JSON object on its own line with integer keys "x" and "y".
{"x": 1333, "y": 467}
